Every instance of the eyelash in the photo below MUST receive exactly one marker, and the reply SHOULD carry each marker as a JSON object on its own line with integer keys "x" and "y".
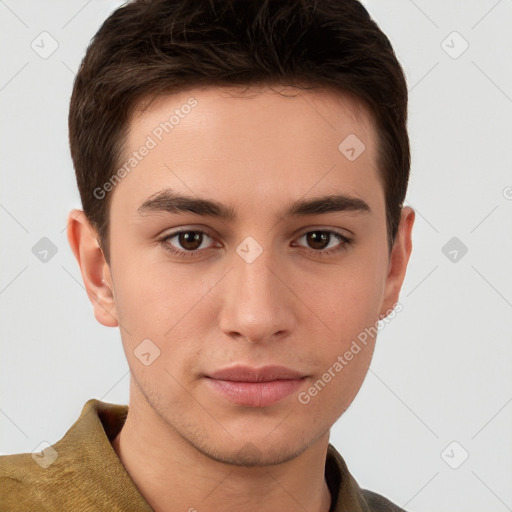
{"x": 187, "y": 254}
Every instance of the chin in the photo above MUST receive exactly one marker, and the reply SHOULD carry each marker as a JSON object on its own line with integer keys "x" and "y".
{"x": 252, "y": 453}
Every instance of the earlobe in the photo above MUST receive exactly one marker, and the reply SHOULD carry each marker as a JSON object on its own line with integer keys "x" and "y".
{"x": 398, "y": 261}
{"x": 83, "y": 240}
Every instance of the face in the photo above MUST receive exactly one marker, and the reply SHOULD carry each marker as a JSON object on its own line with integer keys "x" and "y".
{"x": 228, "y": 259}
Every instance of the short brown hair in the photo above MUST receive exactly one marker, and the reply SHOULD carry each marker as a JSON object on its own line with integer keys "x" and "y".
{"x": 151, "y": 47}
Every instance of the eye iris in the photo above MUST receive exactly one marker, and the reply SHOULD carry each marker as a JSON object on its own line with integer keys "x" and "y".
{"x": 190, "y": 240}
{"x": 318, "y": 237}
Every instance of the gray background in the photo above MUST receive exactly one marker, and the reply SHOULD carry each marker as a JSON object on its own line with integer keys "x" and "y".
{"x": 442, "y": 368}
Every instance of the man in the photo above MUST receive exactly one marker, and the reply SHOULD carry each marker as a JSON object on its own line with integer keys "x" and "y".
{"x": 242, "y": 167}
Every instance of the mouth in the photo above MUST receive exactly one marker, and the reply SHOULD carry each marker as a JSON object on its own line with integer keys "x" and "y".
{"x": 255, "y": 387}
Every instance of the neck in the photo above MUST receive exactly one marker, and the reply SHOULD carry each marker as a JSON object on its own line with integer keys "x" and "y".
{"x": 172, "y": 474}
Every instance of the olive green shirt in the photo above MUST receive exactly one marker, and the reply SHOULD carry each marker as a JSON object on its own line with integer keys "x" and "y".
{"x": 82, "y": 472}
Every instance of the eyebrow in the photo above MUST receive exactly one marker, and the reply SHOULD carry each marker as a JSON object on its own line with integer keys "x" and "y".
{"x": 170, "y": 201}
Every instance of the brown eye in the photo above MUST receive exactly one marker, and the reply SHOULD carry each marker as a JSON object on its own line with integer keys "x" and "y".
{"x": 187, "y": 242}
{"x": 325, "y": 241}
{"x": 318, "y": 239}
{"x": 190, "y": 240}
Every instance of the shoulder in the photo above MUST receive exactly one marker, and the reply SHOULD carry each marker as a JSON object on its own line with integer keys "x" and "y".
{"x": 377, "y": 503}
{"x": 347, "y": 492}
{"x": 62, "y": 472}
{"x": 22, "y": 480}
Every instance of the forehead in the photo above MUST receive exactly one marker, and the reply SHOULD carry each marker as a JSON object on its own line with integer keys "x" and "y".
{"x": 253, "y": 140}
{"x": 263, "y": 108}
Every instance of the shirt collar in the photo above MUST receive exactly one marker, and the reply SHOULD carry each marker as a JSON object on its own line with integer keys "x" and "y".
{"x": 89, "y": 441}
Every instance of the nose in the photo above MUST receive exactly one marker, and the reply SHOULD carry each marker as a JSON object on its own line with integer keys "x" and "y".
{"x": 256, "y": 304}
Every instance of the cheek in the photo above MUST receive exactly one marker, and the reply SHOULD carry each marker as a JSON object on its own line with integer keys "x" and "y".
{"x": 347, "y": 300}
{"x": 153, "y": 295}
{"x": 331, "y": 392}
{"x": 172, "y": 309}
{"x": 349, "y": 305}
{"x": 350, "y": 309}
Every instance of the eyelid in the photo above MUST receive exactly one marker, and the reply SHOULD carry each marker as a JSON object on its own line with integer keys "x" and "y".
{"x": 337, "y": 231}
{"x": 185, "y": 229}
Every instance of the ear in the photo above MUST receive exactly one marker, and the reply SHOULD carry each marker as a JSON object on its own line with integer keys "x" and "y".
{"x": 83, "y": 240}
{"x": 398, "y": 260}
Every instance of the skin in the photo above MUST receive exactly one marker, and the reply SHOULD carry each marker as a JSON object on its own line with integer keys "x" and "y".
{"x": 256, "y": 151}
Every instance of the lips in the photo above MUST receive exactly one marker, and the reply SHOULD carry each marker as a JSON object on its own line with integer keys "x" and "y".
{"x": 248, "y": 374}
{"x": 255, "y": 387}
